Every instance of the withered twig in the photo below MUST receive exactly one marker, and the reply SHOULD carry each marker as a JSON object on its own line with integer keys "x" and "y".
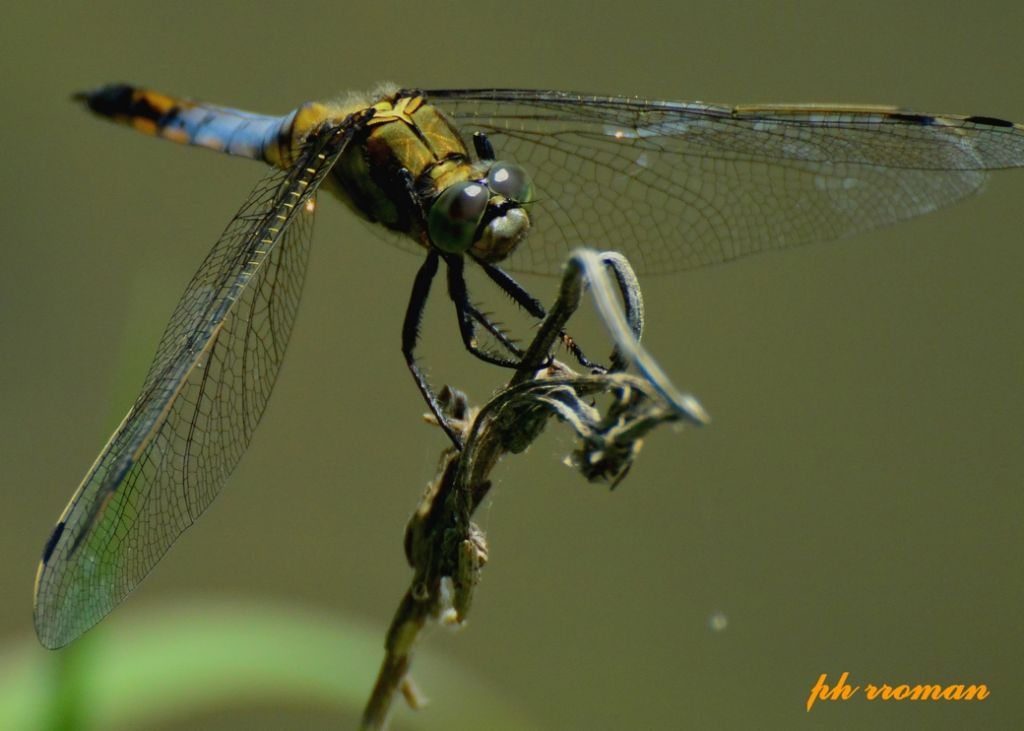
{"x": 445, "y": 549}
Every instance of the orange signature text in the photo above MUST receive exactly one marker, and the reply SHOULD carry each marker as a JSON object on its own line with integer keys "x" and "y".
{"x": 843, "y": 691}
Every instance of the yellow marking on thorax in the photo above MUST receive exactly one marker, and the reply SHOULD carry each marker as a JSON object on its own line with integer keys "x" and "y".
{"x": 449, "y": 172}
{"x": 400, "y": 111}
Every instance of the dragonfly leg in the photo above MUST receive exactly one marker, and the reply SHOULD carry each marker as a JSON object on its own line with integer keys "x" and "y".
{"x": 485, "y": 322}
{"x": 409, "y": 183}
{"x": 483, "y": 147}
{"x": 410, "y": 334}
{"x": 467, "y": 314}
{"x": 527, "y": 301}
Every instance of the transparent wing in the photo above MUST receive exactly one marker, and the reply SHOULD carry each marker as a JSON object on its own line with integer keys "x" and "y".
{"x": 201, "y": 401}
{"x": 678, "y": 186}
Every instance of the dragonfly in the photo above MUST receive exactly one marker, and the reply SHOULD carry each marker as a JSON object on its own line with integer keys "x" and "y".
{"x": 506, "y": 180}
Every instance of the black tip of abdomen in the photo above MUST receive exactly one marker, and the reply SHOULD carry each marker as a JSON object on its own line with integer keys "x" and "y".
{"x": 110, "y": 100}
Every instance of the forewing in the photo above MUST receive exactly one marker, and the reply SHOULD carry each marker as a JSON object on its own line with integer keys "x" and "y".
{"x": 203, "y": 397}
{"x": 678, "y": 186}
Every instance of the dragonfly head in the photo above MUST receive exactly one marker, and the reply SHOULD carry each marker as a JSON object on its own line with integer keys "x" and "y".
{"x": 484, "y": 216}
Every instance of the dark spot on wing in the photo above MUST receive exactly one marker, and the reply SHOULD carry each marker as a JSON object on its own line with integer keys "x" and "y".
{"x": 51, "y": 543}
{"x": 990, "y": 121}
{"x": 922, "y": 119}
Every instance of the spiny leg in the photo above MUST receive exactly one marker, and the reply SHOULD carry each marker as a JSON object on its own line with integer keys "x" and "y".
{"x": 496, "y": 331}
{"x": 410, "y": 334}
{"x": 529, "y": 303}
{"x": 466, "y": 314}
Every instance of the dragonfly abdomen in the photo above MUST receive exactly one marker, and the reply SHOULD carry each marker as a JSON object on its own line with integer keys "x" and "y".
{"x": 233, "y": 131}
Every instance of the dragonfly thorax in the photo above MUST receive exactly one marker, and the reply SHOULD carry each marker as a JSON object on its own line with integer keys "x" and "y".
{"x": 410, "y": 170}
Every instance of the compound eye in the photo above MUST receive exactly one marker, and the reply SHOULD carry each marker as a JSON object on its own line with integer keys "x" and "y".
{"x": 455, "y": 216}
{"x": 510, "y": 180}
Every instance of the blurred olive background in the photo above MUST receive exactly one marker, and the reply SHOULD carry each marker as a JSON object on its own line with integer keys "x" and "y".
{"x": 856, "y": 504}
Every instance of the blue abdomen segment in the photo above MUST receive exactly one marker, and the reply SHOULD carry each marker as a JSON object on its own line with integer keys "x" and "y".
{"x": 236, "y": 132}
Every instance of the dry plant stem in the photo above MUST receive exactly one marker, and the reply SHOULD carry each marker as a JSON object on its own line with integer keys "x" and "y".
{"x": 445, "y": 549}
